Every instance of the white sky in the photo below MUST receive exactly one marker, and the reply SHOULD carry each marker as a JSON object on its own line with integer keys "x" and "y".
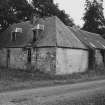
{"x": 75, "y": 8}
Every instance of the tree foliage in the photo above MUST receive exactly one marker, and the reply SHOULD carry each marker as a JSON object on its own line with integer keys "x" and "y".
{"x": 93, "y": 17}
{"x": 22, "y": 9}
{"x": 13, "y": 11}
{"x": 48, "y": 8}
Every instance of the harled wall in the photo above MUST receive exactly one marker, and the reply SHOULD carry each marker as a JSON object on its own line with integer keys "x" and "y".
{"x": 70, "y": 61}
{"x": 51, "y": 60}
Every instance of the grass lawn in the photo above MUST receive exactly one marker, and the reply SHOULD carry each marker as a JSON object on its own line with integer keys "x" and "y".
{"x": 11, "y": 79}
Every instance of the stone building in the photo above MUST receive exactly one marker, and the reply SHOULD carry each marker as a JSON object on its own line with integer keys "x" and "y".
{"x": 50, "y": 46}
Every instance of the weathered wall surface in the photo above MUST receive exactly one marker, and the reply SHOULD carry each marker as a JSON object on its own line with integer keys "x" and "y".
{"x": 69, "y": 61}
{"x": 98, "y": 58}
{"x": 3, "y": 57}
{"x": 18, "y": 58}
{"x": 51, "y": 60}
{"x": 46, "y": 59}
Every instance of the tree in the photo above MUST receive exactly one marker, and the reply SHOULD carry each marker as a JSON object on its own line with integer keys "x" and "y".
{"x": 5, "y": 14}
{"x": 21, "y": 8}
{"x": 93, "y": 17}
{"x": 48, "y": 8}
{"x": 13, "y": 11}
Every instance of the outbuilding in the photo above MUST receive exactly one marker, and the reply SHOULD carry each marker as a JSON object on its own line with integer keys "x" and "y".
{"x": 48, "y": 45}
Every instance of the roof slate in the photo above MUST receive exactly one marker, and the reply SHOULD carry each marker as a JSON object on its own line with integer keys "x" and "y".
{"x": 47, "y": 37}
{"x": 22, "y": 39}
{"x": 92, "y": 40}
{"x": 55, "y": 33}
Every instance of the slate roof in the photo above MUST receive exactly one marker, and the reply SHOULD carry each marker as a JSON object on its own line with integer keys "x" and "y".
{"x": 22, "y": 39}
{"x": 92, "y": 40}
{"x": 55, "y": 33}
{"x": 47, "y": 37}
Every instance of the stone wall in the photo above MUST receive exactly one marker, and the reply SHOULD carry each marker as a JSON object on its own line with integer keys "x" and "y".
{"x": 50, "y": 60}
{"x": 45, "y": 60}
{"x": 70, "y": 61}
{"x": 18, "y": 58}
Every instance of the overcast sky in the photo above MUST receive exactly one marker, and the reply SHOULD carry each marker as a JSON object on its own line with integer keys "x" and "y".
{"x": 75, "y": 8}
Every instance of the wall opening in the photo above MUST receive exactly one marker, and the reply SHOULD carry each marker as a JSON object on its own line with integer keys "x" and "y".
{"x": 34, "y": 35}
{"x": 91, "y": 64}
{"x": 13, "y": 36}
{"x": 8, "y": 57}
{"x": 103, "y": 55}
{"x": 29, "y": 56}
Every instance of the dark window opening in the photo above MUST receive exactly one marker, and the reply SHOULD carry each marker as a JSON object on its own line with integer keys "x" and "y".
{"x": 34, "y": 35}
{"x": 13, "y": 36}
{"x": 24, "y": 49}
{"x": 103, "y": 55}
{"x": 8, "y": 57}
{"x": 29, "y": 56}
{"x": 91, "y": 64}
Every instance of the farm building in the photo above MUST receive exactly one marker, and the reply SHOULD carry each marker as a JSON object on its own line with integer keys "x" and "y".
{"x": 48, "y": 45}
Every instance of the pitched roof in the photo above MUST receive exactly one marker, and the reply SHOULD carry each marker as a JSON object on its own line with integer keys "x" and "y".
{"x": 57, "y": 34}
{"x": 22, "y": 39}
{"x": 47, "y": 37}
{"x": 91, "y": 40}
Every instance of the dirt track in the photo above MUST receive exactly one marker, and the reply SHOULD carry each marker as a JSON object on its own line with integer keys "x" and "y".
{"x": 55, "y": 95}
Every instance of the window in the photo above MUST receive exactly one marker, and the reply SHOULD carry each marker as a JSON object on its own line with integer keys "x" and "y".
{"x": 36, "y": 31}
{"x": 18, "y": 30}
{"x": 34, "y": 35}
{"x": 13, "y": 36}
{"x": 14, "y": 33}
